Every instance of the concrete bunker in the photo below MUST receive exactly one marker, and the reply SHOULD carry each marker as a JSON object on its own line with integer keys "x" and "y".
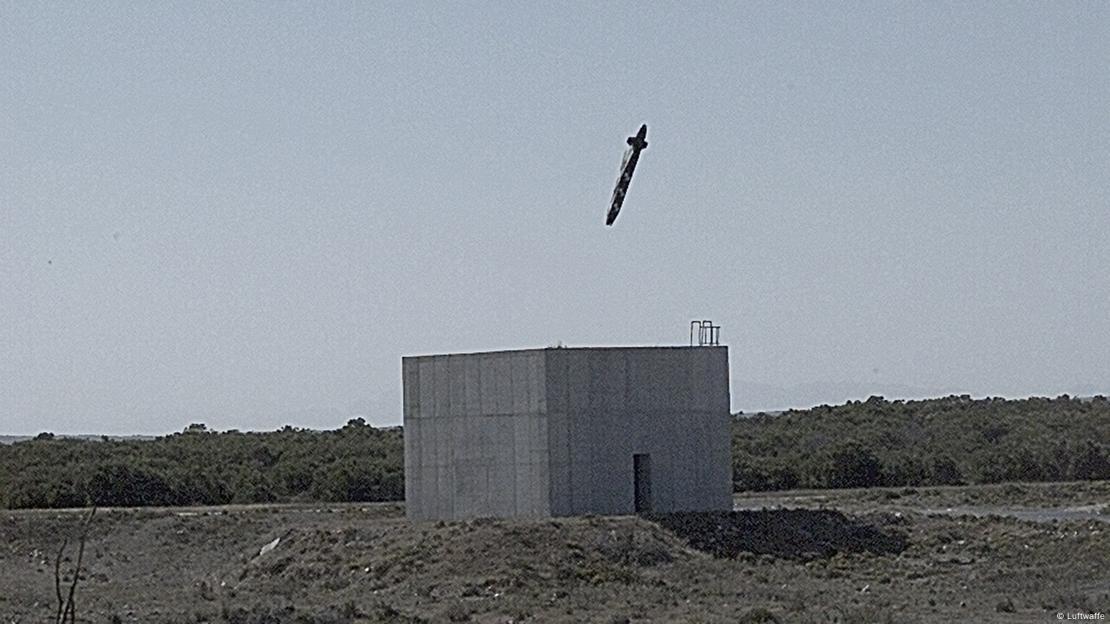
{"x": 567, "y": 431}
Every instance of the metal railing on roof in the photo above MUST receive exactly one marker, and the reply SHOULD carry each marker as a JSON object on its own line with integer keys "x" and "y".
{"x": 709, "y": 335}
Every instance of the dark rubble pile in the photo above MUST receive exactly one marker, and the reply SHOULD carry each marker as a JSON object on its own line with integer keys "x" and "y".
{"x": 783, "y": 533}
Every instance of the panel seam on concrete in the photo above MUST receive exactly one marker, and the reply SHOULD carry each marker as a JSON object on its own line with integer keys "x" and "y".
{"x": 566, "y": 433}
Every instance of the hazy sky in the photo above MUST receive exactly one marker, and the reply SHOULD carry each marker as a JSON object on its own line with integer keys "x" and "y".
{"x": 246, "y": 214}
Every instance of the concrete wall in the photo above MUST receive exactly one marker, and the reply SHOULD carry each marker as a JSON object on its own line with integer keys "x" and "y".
{"x": 606, "y": 405}
{"x": 554, "y": 431}
{"x": 475, "y": 435}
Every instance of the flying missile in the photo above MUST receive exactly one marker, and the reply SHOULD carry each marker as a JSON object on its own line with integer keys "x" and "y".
{"x": 628, "y": 165}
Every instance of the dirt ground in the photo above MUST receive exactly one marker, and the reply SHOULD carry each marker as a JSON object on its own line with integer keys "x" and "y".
{"x": 899, "y": 555}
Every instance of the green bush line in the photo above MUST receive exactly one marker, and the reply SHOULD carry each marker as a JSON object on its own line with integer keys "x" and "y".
{"x": 953, "y": 440}
{"x": 201, "y": 467}
{"x": 949, "y": 441}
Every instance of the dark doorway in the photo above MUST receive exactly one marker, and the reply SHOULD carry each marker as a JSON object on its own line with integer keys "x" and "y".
{"x": 641, "y": 470}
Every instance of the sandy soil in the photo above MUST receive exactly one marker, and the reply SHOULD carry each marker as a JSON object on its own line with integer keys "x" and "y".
{"x": 851, "y": 556}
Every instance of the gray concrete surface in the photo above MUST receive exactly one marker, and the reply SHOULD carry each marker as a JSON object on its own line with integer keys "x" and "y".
{"x": 553, "y": 432}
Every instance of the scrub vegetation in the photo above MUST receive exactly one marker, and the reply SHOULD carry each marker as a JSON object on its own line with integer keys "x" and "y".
{"x": 948, "y": 441}
{"x": 201, "y": 467}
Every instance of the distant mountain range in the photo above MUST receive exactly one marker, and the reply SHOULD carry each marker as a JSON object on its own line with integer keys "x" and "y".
{"x": 12, "y": 439}
{"x": 751, "y": 397}
{"x": 748, "y": 397}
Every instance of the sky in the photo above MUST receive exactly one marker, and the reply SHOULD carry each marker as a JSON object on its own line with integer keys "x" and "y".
{"x": 246, "y": 214}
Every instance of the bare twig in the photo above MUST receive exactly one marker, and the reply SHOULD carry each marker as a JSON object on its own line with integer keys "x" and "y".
{"x": 58, "y": 579}
{"x": 68, "y": 612}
